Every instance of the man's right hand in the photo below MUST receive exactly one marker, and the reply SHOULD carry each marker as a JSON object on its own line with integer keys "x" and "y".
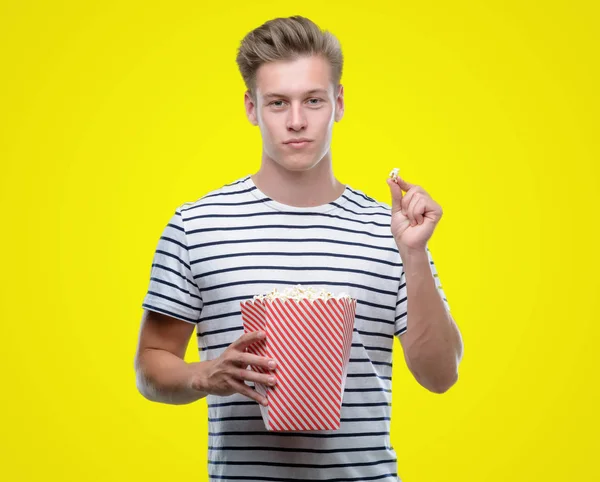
{"x": 226, "y": 374}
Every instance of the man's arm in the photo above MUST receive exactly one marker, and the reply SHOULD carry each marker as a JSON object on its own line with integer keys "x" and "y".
{"x": 432, "y": 343}
{"x": 162, "y": 375}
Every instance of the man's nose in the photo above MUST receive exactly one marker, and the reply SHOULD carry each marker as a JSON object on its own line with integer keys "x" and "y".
{"x": 296, "y": 119}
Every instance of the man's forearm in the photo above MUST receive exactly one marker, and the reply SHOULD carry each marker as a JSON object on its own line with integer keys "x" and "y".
{"x": 163, "y": 377}
{"x": 432, "y": 342}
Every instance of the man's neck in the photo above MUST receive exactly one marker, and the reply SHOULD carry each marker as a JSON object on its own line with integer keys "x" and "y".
{"x": 310, "y": 188}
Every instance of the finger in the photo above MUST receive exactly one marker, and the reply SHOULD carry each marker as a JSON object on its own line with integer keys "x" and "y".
{"x": 257, "y": 361}
{"x": 411, "y": 208}
{"x": 405, "y": 186}
{"x": 396, "y": 193}
{"x": 247, "y": 391}
{"x": 418, "y": 208}
{"x": 406, "y": 201}
{"x": 252, "y": 376}
{"x": 248, "y": 339}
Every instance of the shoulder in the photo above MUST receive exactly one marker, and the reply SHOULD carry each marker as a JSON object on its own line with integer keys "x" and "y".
{"x": 218, "y": 195}
{"x": 361, "y": 201}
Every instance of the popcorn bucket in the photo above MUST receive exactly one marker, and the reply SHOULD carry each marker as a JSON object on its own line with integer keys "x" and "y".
{"x": 310, "y": 339}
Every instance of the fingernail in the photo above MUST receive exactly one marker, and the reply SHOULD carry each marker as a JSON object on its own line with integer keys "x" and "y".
{"x": 262, "y": 334}
{"x": 264, "y": 402}
{"x": 272, "y": 364}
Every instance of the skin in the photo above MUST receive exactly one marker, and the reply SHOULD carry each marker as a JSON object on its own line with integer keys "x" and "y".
{"x": 297, "y": 99}
{"x": 306, "y": 104}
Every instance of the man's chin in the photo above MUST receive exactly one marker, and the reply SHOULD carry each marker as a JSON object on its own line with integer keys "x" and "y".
{"x": 298, "y": 164}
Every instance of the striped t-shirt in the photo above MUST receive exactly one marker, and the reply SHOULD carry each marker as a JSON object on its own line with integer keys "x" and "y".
{"x": 236, "y": 242}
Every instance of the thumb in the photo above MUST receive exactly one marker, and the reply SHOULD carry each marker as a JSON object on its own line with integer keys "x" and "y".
{"x": 396, "y": 196}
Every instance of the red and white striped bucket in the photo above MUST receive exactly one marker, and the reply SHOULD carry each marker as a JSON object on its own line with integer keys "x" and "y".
{"x": 310, "y": 340}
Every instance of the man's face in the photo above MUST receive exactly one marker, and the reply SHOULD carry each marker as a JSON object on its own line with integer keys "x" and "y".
{"x": 296, "y": 100}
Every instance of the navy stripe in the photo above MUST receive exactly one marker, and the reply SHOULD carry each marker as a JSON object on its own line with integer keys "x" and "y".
{"x": 174, "y": 241}
{"x": 284, "y": 240}
{"x": 252, "y": 448}
{"x": 371, "y": 333}
{"x": 166, "y": 312}
{"x": 295, "y": 282}
{"x": 289, "y": 226}
{"x": 175, "y": 272}
{"x": 367, "y": 375}
{"x": 224, "y": 330}
{"x": 287, "y": 213}
{"x": 286, "y": 479}
{"x": 402, "y": 300}
{"x": 176, "y": 227}
{"x": 221, "y": 315}
{"x": 374, "y": 404}
{"x": 238, "y": 182}
{"x": 166, "y": 253}
{"x": 187, "y": 292}
{"x": 257, "y": 201}
{"x": 366, "y": 419}
{"x": 400, "y": 331}
{"x": 303, "y": 434}
{"x": 374, "y": 305}
{"x": 365, "y": 207}
{"x": 231, "y": 419}
{"x": 401, "y": 316}
{"x": 295, "y": 268}
{"x": 361, "y": 390}
{"x": 227, "y": 300}
{"x": 215, "y": 347}
{"x": 387, "y": 214}
{"x": 360, "y": 345}
{"x": 271, "y": 254}
{"x": 304, "y": 466}
{"x": 367, "y": 360}
{"x": 376, "y": 320}
{"x": 364, "y": 196}
{"x": 160, "y": 295}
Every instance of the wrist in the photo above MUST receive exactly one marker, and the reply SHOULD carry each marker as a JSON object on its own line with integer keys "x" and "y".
{"x": 197, "y": 375}
{"x": 409, "y": 254}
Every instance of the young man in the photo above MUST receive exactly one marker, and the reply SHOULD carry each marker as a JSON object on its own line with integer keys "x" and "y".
{"x": 294, "y": 223}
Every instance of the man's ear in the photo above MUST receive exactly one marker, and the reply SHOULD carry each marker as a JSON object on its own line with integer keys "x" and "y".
{"x": 250, "y": 105}
{"x": 339, "y": 103}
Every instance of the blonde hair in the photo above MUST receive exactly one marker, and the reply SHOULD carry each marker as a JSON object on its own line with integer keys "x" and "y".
{"x": 287, "y": 39}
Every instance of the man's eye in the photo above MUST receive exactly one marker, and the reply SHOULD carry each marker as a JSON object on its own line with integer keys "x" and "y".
{"x": 314, "y": 101}
{"x": 277, "y": 103}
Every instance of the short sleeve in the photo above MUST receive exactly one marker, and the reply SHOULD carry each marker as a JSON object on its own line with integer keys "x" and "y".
{"x": 172, "y": 289}
{"x": 401, "y": 300}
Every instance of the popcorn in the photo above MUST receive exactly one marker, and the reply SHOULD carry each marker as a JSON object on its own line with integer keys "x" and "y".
{"x": 300, "y": 292}
{"x": 309, "y": 334}
{"x": 394, "y": 174}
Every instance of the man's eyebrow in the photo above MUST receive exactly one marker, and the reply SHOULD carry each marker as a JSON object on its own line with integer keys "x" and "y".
{"x": 310, "y": 92}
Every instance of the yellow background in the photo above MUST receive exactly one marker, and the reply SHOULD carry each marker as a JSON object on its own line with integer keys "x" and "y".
{"x": 114, "y": 113}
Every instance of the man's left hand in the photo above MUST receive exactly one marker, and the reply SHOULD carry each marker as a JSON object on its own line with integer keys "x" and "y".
{"x": 414, "y": 215}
